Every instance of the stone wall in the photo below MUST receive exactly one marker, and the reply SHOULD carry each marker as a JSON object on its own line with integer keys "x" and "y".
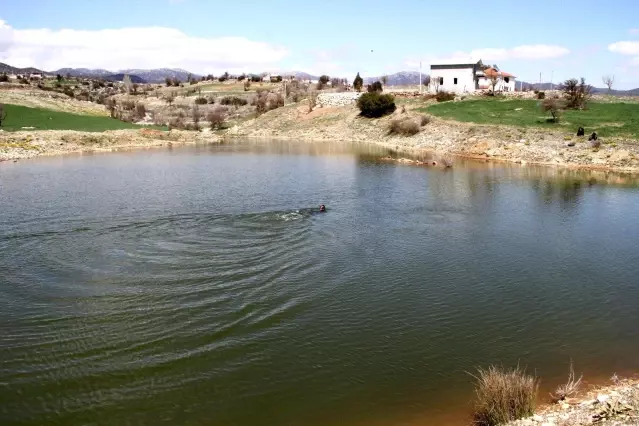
{"x": 337, "y": 99}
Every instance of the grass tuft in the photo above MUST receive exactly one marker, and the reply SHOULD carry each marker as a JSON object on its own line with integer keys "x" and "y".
{"x": 504, "y": 395}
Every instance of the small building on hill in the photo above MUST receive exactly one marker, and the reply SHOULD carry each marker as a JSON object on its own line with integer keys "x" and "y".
{"x": 467, "y": 76}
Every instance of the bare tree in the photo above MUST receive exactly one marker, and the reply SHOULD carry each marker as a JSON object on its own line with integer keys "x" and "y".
{"x": 3, "y": 114}
{"x": 384, "y": 80}
{"x": 312, "y": 100}
{"x": 494, "y": 78}
{"x": 608, "y": 80}
{"x": 170, "y": 97}
{"x": 127, "y": 83}
{"x": 436, "y": 81}
{"x": 195, "y": 114}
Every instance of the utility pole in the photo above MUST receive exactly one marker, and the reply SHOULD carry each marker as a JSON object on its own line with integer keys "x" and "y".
{"x": 551, "y": 76}
{"x": 420, "y": 77}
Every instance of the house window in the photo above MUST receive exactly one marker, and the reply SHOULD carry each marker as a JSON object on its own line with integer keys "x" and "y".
{"x": 441, "y": 80}
{"x": 507, "y": 79}
{"x": 455, "y": 80}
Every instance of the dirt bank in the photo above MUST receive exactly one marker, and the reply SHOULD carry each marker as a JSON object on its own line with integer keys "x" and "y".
{"x": 28, "y": 144}
{"x": 442, "y": 137}
{"x": 616, "y": 404}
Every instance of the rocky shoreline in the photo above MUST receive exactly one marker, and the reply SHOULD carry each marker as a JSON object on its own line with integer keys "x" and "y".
{"x": 616, "y": 404}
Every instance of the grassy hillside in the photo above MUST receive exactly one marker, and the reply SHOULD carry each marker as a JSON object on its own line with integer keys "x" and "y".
{"x": 607, "y": 119}
{"x": 45, "y": 119}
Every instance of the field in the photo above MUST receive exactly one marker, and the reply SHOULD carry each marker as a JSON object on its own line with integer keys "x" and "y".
{"x": 607, "y": 119}
{"x": 230, "y": 88}
{"x": 45, "y": 119}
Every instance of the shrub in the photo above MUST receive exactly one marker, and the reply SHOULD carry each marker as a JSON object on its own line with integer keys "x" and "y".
{"x": 4, "y": 78}
{"x": 241, "y": 77}
{"x": 261, "y": 103}
{"x": 233, "y": 100}
{"x": 256, "y": 78}
{"x": 554, "y": 106}
{"x": 540, "y": 95}
{"x": 176, "y": 123}
{"x": 312, "y": 100}
{"x": 69, "y": 92}
{"x": 424, "y": 120}
{"x": 128, "y": 105}
{"x": 405, "y": 127}
{"x": 444, "y": 96}
{"x": 200, "y": 100}
{"x": 247, "y": 85}
{"x": 569, "y": 388}
{"x": 504, "y": 395}
{"x": 140, "y": 111}
{"x": 216, "y": 118}
{"x": 3, "y": 114}
{"x": 24, "y": 81}
{"x": 373, "y": 104}
{"x": 577, "y": 94}
{"x": 375, "y": 87}
{"x": 211, "y": 99}
{"x": 277, "y": 102}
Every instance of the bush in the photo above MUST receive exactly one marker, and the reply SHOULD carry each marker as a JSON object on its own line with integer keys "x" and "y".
{"x": 216, "y": 118}
{"x": 444, "y": 96}
{"x": 210, "y": 99}
{"x": 69, "y": 92}
{"x": 424, "y": 120}
{"x": 128, "y": 105}
{"x": 554, "y": 106}
{"x": 200, "y": 100}
{"x": 140, "y": 111}
{"x": 405, "y": 127}
{"x": 24, "y": 81}
{"x": 504, "y": 395}
{"x": 256, "y": 78}
{"x": 4, "y": 78}
{"x": 233, "y": 100}
{"x": 540, "y": 95}
{"x": 176, "y": 123}
{"x": 577, "y": 94}
{"x": 247, "y": 85}
{"x": 375, "y": 87}
{"x": 374, "y": 105}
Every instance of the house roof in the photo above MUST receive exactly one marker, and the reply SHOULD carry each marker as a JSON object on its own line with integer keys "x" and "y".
{"x": 489, "y": 72}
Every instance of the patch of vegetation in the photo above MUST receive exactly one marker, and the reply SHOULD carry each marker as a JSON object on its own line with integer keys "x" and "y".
{"x": 233, "y": 100}
{"x": 607, "y": 119}
{"x": 200, "y": 100}
{"x": 503, "y": 395}
{"x": 404, "y": 127}
{"x": 375, "y": 87}
{"x": 444, "y": 96}
{"x": 373, "y": 104}
{"x": 18, "y": 116}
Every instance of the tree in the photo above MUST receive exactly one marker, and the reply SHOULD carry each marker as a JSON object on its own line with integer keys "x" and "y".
{"x": 576, "y": 93}
{"x": 58, "y": 77}
{"x": 494, "y": 77}
{"x": 195, "y": 114}
{"x": 554, "y": 106}
{"x": 426, "y": 80}
{"x": 358, "y": 83}
{"x": 375, "y": 87}
{"x": 3, "y": 114}
{"x": 384, "y": 80}
{"x": 324, "y": 79}
{"x": 169, "y": 98}
{"x": 608, "y": 80}
{"x": 4, "y": 77}
{"x": 168, "y": 81}
{"x": 436, "y": 81}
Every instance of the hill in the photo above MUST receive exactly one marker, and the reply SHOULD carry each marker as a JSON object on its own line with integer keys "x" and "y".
{"x": 83, "y": 72}
{"x": 160, "y": 74}
{"x": 402, "y": 78}
{"x": 5, "y": 68}
{"x": 120, "y": 77}
{"x": 599, "y": 90}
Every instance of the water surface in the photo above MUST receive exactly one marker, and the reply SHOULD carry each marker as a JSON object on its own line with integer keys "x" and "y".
{"x": 198, "y": 285}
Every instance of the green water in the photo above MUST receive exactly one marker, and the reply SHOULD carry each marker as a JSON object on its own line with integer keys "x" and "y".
{"x": 200, "y": 286}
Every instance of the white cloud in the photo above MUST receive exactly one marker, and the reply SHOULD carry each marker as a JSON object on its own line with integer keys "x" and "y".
{"x": 625, "y": 47}
{"x": 524, "y": 52}
{"x": 633, "y": 31}
{"x": 144, "y": 47}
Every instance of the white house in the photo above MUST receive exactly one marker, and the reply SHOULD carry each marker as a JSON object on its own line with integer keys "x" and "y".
{"x": 466, "y": 76}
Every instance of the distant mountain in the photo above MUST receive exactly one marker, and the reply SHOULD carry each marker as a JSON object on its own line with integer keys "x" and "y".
{"x": 403, "y": 78}
{"x": 83, "y": 72}
{"x": 4, "y": 68}
{"x": 120, "y": 77}
{"x": 160, "y": 74}
{"x": 599, "y": 90}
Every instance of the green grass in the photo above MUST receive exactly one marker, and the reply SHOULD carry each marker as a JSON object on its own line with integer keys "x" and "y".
{"x": 45, "y": 119}
{"x": 607, "y": 119}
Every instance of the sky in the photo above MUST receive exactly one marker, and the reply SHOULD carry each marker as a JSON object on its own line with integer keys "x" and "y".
{"x": 559, "y": 40}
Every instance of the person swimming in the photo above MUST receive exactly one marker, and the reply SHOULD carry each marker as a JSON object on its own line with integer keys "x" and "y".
{"x": 322, "y": 208}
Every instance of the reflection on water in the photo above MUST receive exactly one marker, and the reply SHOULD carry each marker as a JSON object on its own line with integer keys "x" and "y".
{"x": 200, "y": 285}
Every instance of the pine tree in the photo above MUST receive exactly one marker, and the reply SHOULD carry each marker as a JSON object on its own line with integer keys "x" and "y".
{"x": 358, "y": 83}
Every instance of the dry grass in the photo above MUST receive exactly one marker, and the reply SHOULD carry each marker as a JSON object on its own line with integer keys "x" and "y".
{"x": 504, "y": 395}
{"x": 569, "y": 388}
{"x": 405, "y": 127}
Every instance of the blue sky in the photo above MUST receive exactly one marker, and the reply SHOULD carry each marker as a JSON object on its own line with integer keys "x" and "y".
{"x": 564, "y": 39}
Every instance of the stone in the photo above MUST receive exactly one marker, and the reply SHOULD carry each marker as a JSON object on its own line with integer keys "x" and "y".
{"x": 601, "y": 398}
{"x": 538, "y": 418}
{"x": 565, "y": 406}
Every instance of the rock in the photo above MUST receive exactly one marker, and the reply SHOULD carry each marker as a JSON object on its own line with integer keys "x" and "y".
{"x": 602, "y": 398}
{"x": 538, "y": 418}
{"x": 571, "y": 143}
{"x": 565, "y": 406}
